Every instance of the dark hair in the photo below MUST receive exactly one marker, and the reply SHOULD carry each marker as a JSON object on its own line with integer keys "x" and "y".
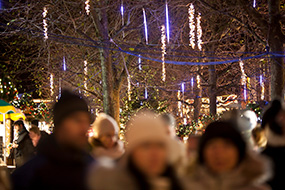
{"x": 142, "y": 181}
{"x": 19, "y": 123}
{"x": 36, "y": 130}
{"x": 225, "y": 130}
{"x": 35, "y": 122}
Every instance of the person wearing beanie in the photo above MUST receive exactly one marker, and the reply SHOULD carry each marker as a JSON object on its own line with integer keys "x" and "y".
{"x": 105, "y": 142}
{"x": 273, "y": 124}
{"x": 145, "y": 165}
{"x": 62, "y": 159}
{"x": 224, "y": 162}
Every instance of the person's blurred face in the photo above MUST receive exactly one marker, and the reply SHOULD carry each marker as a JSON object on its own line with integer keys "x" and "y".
{"x": 18, "y": 128}
{"x": 150, "y": 158}
{"x": 109, "y": 139}
{"x": 73, "y": 130}
{"x": 35, "y": 138}
{"x": 220, "y": 155}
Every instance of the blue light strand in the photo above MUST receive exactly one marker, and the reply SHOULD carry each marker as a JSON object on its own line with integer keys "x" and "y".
{"x": 167, "y": 21}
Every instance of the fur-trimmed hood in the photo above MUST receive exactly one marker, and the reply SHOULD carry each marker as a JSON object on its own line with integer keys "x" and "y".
{"x": 114, "y": 153}
{"x": 251, "y": 174}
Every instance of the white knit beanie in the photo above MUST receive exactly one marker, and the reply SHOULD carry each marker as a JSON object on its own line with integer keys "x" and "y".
{"x": 144, "y": 127}
{"x": 104, "y": 124}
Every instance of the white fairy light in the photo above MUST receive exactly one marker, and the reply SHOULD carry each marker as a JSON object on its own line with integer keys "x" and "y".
{"x": 140, "y": 63}
{"x": 262, "y": 87}
{"x": 51, "y": 85}
{"x": 145, "y": 93}
{"x": 183, "y": 87}
{"x": 85, "y": 73}
{"x": 64, "y": 63}
{"x": 192, "y": 83}
{"x": 254, "y": 4}
{"x": 243, "y": 78}
{"x": 191, "y": 12}
{"x": 179, "y": 104}
{"x": 167, "y": 21}
{"x": 87, "y": 7}
{"x": 163, "y": 49}
{"x": 198, "y": 81}
{"x": 199, "y": 32}
{"x": 129, "y": 88}
{"x": 145, "y": 26}
{"x": 45, "y": 25}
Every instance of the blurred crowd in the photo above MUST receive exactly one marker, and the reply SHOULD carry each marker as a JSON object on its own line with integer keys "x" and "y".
{"x": 234, "y": 153}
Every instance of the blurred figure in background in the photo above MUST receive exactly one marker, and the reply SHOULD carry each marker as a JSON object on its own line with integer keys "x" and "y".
{"x": 259, "y": 139}
{"x": 145, "y": 165}
{"x": 4, "y": 177}
{"x": 224, "y": 162}
{"x": 177, "y": 158}
{"x": 273, "y": 123}
{"x": 35, "y": 123}
{"x": 105, "y": 142}
{"x": 192, "y": 147}
{"x": 23, "y": 144}
{"x": 62, "y": 160}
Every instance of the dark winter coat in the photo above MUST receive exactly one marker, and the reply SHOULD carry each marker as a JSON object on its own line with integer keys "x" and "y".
{"x": 275, "y": 150}
{"x": 25, "y": 149}
{"x": 53, "y": 168}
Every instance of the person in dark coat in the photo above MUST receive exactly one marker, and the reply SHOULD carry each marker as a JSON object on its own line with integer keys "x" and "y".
{"x": 24, "y": 149}
{"x": 35, "y": 123}
{"x": 273, "y": 123}
{"x": 62, "y": 160}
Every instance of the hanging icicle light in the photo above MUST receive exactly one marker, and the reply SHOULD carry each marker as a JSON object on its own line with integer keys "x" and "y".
{"x": 85, "y": 73}
{"x": 87, "y": 7}
{"x": 191, "y": 13}
{"x": 51, "y": 85}
{"x": 243, "y": 78}
{"x": 64, "y": 63}
{"x": 129, "y": 88}
{"x": 262, "y": 87}
{"x": 167, "y": 21}
{"x": 45, "y": 25}
{"x": 183, "y": 87}
{"x": 59, "y": 88}
{"x": 254, "y": 4}
{"x": 199, "y": 32}
{"x": 198, "y": 81}
{"x": 163, "y": 49}
{"x": 145, "y": 93}
{"x": 145, "y": 27}
{"x": 179, "y": 105}
{"x": 192, "y": 84}
{"x": 140, "y": 62}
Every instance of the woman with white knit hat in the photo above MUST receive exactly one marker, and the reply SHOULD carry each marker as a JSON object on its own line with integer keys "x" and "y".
{"x": 105, "y": 142}
{"x": 145, "y": 165}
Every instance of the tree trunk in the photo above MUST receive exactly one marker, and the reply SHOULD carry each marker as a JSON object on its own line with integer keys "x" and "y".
{"x": 275, "y": 43}
{"x": 213, "y": 89}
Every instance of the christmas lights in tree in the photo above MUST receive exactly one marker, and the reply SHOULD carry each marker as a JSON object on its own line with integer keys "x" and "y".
{"x": 145, "y": 26}
{"x": 199, "y": 32}
{"x": 85, "y": 74}
{"x": 45, "y": 25}
{"x": 191, "y": 14}
{"x": 87, "y": 7}
{"x": 129, "y": 88}
{"x": 167, "y": 21}
{"x": 262, "y": 87}
{"x": 163, "y": 49}
{"x": 51, "y": 85}
{"x": 243, "y": 79}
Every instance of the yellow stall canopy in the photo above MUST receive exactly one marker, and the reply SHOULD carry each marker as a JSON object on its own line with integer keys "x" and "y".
{"x": 10, "y": 112}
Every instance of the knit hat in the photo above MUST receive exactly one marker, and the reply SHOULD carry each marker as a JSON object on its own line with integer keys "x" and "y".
{"x": 224, "y": 130}
{"x": 104, "y": 124}
{"x": 269, "y": 117}
{"x": 144, "y": 127}
{"x": 68, "y": 104}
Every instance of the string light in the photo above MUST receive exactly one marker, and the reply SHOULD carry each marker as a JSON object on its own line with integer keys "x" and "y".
{"x": 59, "y": 88}
{"x": 45, "y": 25}
{"x": 87, "y": 6}
{"x": 145, "y": 26}
{"x": 179, "y": 105}
{"x": 64, "y": 64}
{"x": 85, "y": 73}
{"x": 163, "y": 49}
{"x": 140, "y": 62}
{"x": 199, "y": 32}
{"x": 167, "y": 21}
{"x": 262, "y": 87}
{"x": 198, "y": 81}
{"x": 183, "y": 87}
{"x": 191, "y": 12}
{"x": 145, "y": 93}
{"x": 243, "y": 78}
{"x": 122, "y": 13}
{"x": 129, "y": 88}
{"x": 254, "y": 4}
{"x": 51, "y": 85}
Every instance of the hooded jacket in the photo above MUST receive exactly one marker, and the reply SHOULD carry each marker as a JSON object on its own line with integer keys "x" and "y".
{"x": 251, "y": 174}
{"x": 54, "y": 168}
